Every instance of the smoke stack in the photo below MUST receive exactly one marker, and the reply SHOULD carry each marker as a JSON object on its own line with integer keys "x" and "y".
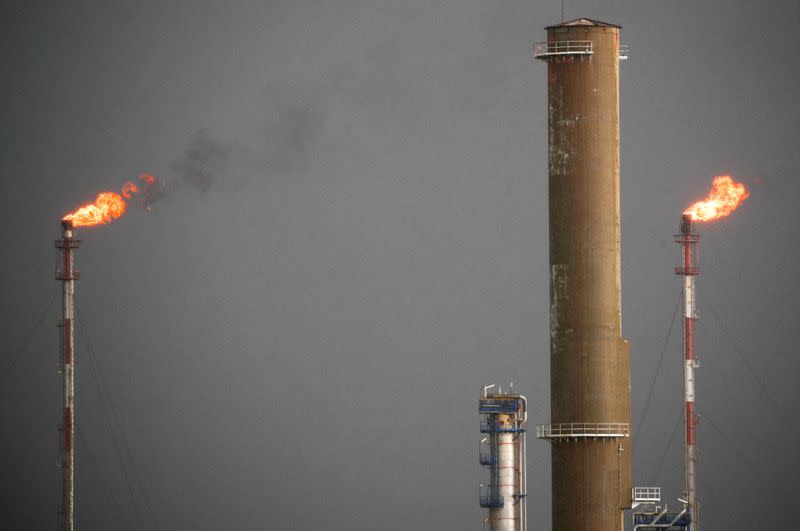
{"x": 66, "y": 273}
{"x": 687, "y": 225}
{"x": 690, "y": 268}
{"x": 590, "y": 400}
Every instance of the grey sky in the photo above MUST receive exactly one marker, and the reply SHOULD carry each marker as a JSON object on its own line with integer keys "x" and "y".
{"x": 300, "y": 346}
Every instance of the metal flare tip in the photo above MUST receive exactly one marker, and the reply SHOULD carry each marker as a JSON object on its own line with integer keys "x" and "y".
{"x": 67, "y": 224}
{"x": 687, "y": 225}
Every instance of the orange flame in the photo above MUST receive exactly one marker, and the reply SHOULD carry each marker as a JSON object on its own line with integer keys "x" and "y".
{"x": 725, "y": 196}
{"x": 108, "y": 206}
{"x": 129, "y": 188}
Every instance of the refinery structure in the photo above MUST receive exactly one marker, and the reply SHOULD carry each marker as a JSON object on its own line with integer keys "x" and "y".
{"x": 590, "y": 363}
{"x": 502, "y": 451}
{"x": 589, "y": 430}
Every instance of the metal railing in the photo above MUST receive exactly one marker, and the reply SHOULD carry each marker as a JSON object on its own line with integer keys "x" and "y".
{"x": 647, "y": 494}
{"x": 487, "y": 406}
{"x": 662, "y": 520}
{"x": 547, "y": 49}
{"x": 62, "y": 274}
{"x": 489, "y": 496}
{"x": 688, "y": 271}
{"x": 543, "y": 50}
{"x": 489, "y": 426}
{"x": 583, "y": 430}
{"x": 486, "y": 458}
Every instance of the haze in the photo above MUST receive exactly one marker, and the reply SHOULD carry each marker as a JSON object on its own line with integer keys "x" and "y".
{"x": 353, "y": 240}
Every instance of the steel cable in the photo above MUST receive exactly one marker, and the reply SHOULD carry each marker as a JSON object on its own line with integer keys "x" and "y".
{"x": 760, "y": 384}
{"x": 25, "y": 343}
{"x": 735, "y": 449}
{"x": 117, "y": 434}
{"x": 647, "y": 402}
{"x": 666, "y": 450}
{"x": 97, "y": 470}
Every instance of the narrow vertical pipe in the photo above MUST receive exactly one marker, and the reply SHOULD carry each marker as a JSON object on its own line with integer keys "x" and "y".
{"x": 520, "y": 477}
{"x": 67, "y": 275}
{"x": 524, "y": 525}
{"x": 522, "y": 450}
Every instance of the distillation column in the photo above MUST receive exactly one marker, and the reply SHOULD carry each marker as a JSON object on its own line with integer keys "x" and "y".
{"x": 66, "y": 273}
{"x": 504, "y": 518}
{"x": 502, "y": 451}
{"x": 590, "y": 397}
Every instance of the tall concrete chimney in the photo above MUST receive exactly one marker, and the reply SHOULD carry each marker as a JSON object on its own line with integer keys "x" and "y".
{"x": 590, "y": 396}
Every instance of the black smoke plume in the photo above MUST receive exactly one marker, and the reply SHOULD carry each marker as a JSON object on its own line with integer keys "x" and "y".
{"x": 285, "y": 137}
{"x": 290, "y": 128}
{"x": 203, "y": 161}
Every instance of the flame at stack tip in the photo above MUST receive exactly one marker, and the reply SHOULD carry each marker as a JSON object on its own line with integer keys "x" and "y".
{"x": 725, "y": 196}
{"x": 108, "y": 206}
